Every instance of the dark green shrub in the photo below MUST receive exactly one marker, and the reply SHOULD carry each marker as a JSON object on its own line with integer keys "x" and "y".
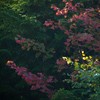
{"x": 63, "y": 94}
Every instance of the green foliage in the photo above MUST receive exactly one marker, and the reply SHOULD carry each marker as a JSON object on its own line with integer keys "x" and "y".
{"x": 63, "y": 94}
{"x": 26, "y": 17}
{"x": 86, "y": 78}
{"x": 5, "y": 55}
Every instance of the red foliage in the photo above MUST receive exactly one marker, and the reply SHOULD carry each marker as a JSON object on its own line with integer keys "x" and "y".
{"x": 21, "y": 41}
{"x": 37, "y": 81}
{"x": 53, "y": 25}
{"x": 68, "y": 7}
{"x": 61, "y": 65}
{"x": 82, "y": 25}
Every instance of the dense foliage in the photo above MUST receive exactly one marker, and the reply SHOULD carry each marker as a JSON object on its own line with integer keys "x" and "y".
{"x": 59, "y": 48}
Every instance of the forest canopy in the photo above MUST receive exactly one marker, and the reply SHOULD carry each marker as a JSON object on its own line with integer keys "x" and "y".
{"x": 49, "y": 49}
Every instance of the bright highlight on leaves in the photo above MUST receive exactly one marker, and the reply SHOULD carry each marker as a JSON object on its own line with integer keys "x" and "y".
{"x": 84, "y": 57}
{"x": 67, "y": 59}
